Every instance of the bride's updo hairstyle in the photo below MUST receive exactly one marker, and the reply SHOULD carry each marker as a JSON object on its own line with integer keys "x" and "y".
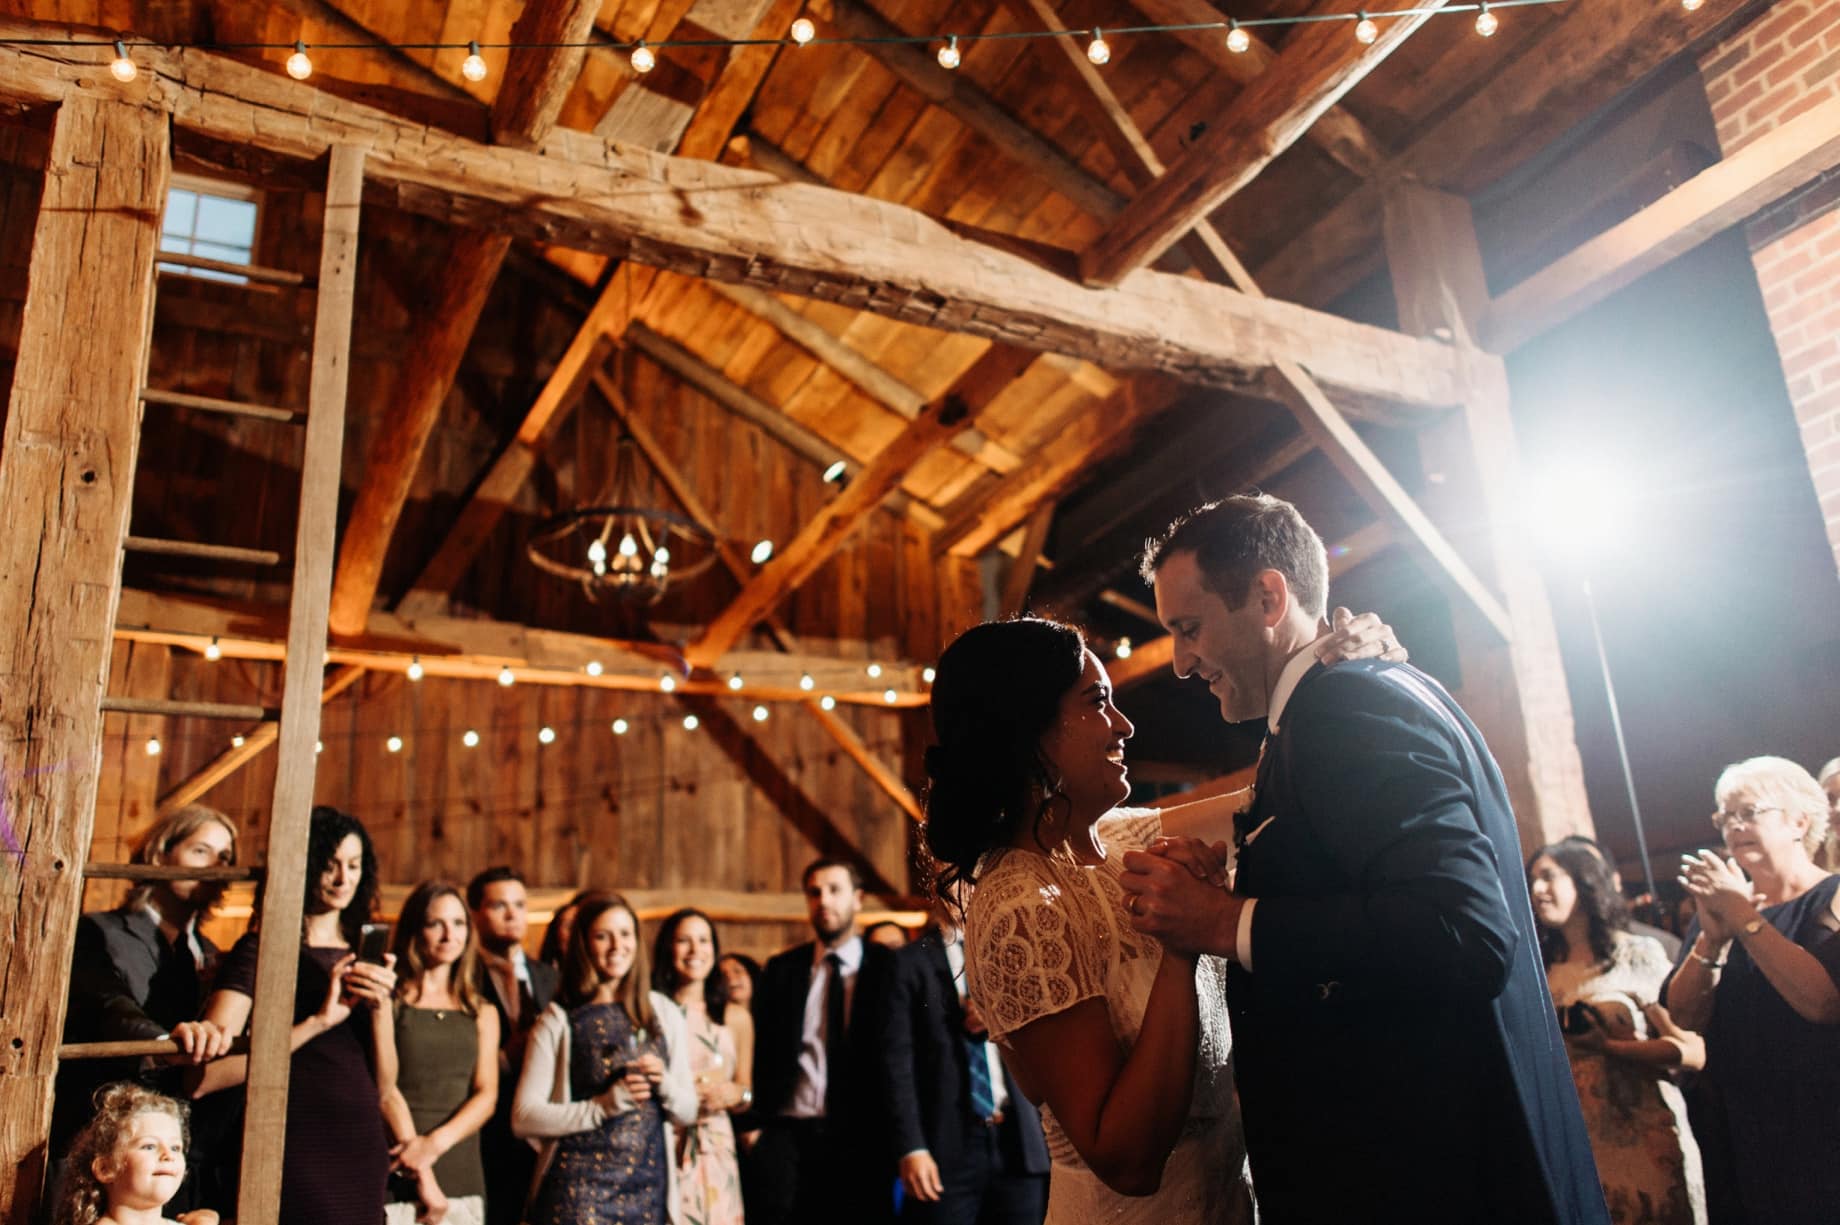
{"x": 996, "y": 692}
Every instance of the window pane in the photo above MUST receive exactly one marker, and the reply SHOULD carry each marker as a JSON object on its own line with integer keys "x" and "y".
{"x": 176, "y": 242}
{"x": 230, "y": 222}
{"x": 181, "y": 212}
{"x": 221, "y": 251}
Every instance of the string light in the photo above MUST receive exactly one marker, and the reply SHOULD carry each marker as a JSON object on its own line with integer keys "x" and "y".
{"x": 835, "y": 472}
{"x": 827, "y": 702}
{"x": 1692, "y": 6}
{"x": 643, "y": 61}
{"x": 394, "y": 744}
{"x": 237, "y": 741}
{"x": 546, "y": 735}
{"x": 121, "y": 67}
{"x": 1238, "y": 41}
{"x": 668, "y": 683}
{"x": 594, "y": 668}
{"x": 1365, "y": 30}
{"x": 691, "y": 723}
{"x": 298, "y": 65}
{"x": 735, "y": 682}
{"x": 762, "y": 553}
{"x": 414, "y": 670}
{"x": 761, "y": 713}
{"x": 153, "y": 746}
{"x": 890, "y": 696}
{"x": 874, "y": 671}
{"x": 803, "y": 31}
{"x": 927, "y": 674}
{"x": 948, "y": 54}
{"x": 1487, "y": 23}
{"x": 1123, "y": 649}
{"x": 620, "y": 727}
{"x": 807, "y": 683}
{"x": 1098, "y": 50}
{"x": 213, "y": 651}
{"x": 319, "y": 746}
{"x": 473, "y": 67}
{"x": 506, "y": 676}
{"x": 470, "y": 739}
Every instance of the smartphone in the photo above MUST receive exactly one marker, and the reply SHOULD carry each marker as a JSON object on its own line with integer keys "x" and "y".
{"x": 374, "y": 943}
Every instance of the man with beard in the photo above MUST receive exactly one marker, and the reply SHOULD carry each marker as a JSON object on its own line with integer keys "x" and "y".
{"x": 822, "y": 1155}
{"x": 141, "y": 972}
{"x": 1396, "y": 1050}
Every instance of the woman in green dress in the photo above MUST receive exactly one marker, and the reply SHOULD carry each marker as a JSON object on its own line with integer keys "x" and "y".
{"x": 438, "y": 1068}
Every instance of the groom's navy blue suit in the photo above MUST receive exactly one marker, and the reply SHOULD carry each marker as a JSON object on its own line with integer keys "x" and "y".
{"x": 1395, "y": 1045}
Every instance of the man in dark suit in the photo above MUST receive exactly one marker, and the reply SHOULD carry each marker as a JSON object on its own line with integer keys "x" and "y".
{"x": 969, "y": 1144}
{"x": 520, "y": 989}
{"x": 1396, "y": 1049}
{"x": 822, "y": 1155}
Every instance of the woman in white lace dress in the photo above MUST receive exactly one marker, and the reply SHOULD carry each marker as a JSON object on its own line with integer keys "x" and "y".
{"x": 1122, "y": 1043}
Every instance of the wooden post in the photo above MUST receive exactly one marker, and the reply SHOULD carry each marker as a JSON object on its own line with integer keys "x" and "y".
{"x": 278, "y": 954}
{"x": 66, "y": 478}
{"x": 1515, "y": 691}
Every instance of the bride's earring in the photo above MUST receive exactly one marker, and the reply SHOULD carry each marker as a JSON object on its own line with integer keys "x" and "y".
{"x": 1051, "y": 826}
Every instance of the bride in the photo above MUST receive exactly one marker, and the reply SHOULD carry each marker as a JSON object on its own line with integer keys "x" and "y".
{"x": 1123, "y": 1044}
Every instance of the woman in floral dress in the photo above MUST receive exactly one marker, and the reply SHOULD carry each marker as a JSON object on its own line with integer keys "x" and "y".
{"x": 721, "y": 1059}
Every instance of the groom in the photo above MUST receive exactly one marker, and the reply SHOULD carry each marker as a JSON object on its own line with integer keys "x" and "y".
{"x": 1395, "y": 1045}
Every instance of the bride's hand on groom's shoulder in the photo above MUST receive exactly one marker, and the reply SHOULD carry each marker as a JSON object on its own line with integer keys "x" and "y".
{"x": 1362, "y": 637}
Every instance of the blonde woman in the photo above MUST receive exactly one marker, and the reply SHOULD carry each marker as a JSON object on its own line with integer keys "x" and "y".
{"x": 1759, "y": 980}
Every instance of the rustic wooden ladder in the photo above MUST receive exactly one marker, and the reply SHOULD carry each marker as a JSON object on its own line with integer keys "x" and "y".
{"x": 278, "y": 953}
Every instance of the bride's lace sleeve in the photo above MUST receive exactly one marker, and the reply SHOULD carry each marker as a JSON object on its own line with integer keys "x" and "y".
{"x": 1031, "y": 950}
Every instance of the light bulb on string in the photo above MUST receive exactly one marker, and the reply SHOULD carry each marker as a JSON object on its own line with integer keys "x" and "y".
{"x": 594, "y": 668}
{"x": 121, "y": 67}
{"x": 803, "y": 31}
{"x": 414, "y": 670}
{"x": 927, "y": 675}
{"x": 761, "y": 713}
{"x": 1365, "y": 30}
{"x": 1098, "y": 50}
{"x": 470, "y": 739}
{"x": 874, "y": 671}
{"x": 667, "y": 682}
{"x": 213, "y": 651}
{"x": 827, "y": 702}
{"x": 835, "y": 472}
{"x": 691, "y": 723}
{"x": 299, "y": 66}
{"x": 735, "y": 682}
{"x": 1238, "y": 41}
{"x": 1692, "y": 6}
{"x": 763, "y": 553}
{"x": 506, "y": 676}
{"x": 394, "y": 744}
{"x": 546, "y": 735}
{"x": 620, "y": 727}
{"x": 948, "y": 54}
{"x": 237, "y": 741}
{"x": 1123, "y": 649}
{"x": 1487, "y": 23}
{"x": 890, "y": 696}
{"x": 473, "y": 67}
{"x": 643, "y": 60}
{"x": 807, "y": 683}
{"x": 153, "y": 746}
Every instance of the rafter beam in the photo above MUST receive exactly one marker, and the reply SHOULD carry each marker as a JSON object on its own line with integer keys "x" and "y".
{"x": 1318, "y": 65}
{"x": 744, "y": 226}
{"x": 1719, "y": 197}
{"x": 540, "y": 73}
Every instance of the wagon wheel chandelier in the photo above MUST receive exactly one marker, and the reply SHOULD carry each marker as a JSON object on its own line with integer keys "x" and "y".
{"x": 621, "y": 548}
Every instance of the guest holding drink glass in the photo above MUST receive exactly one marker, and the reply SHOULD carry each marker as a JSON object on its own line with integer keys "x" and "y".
{"x": 721, "y": 1058}
{"x": 605, "y": 1078}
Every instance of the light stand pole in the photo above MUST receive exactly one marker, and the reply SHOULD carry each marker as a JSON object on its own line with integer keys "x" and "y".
{"x": 1622, "y": 749}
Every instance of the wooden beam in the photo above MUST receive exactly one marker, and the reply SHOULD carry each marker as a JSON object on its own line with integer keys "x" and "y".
{"x": 497, "y": 488}
{"x": 537, "y": 80}
{"x": 1021, "y": 575}
{"x": 733, "y": 92}
{"x": 472, "y": 649}
{"x": 256, "y": 741}
{"x": 744, "y": 226}
{"x": 1318, "y": 65}
{"x": 272, "y": 1016}
{"x": 853, "y": 747}
{"x": 66, "y": 478}
{"x": 1590, "y": 55}
{"x": 539, "y": 75}
{"x": 1771, "y": 166}
{"x": 1336, "y": 132}
{"x": 975, "y": 390}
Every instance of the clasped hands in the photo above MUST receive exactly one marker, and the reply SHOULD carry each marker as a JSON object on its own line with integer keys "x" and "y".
{"x": 1180, "y": 891}
{"x": 1723, "y": 894}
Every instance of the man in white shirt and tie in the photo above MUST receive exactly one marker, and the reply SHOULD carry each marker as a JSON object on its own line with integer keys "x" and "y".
{"x": 822, "y": 1154}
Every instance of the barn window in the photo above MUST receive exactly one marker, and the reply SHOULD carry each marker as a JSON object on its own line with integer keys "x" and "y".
{"x": 210, "y": 220}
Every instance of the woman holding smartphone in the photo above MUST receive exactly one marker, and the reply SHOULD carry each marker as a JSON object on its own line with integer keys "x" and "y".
{"x": 606, "y": 1075}
{"x": 336, "y": 1158}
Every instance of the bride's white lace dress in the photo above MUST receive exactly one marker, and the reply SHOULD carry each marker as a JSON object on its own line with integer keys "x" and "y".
{"x": 1043, "y": 934}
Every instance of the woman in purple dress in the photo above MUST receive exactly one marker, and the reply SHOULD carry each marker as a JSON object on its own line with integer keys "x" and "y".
{"x": 336, "y": 1159}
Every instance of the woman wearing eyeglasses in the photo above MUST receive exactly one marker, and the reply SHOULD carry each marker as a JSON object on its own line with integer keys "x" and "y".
{"x": 1759, "y": 980}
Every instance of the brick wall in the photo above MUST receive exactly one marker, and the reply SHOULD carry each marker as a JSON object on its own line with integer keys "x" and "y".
{"x": 1777, "y": 67}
